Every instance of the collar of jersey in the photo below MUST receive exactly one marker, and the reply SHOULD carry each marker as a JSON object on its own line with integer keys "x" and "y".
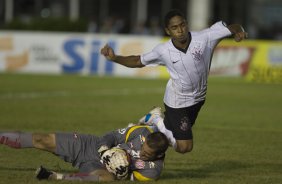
{"x": 183, "y": 50}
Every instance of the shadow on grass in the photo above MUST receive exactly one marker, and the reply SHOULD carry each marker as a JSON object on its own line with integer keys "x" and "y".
{"x": 16, "y": 169}
{"x": 28, "y": 169}
{"x": 173, "y": 171}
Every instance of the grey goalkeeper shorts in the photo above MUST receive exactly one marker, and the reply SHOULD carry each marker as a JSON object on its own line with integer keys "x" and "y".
{"x": 80, "y": 150}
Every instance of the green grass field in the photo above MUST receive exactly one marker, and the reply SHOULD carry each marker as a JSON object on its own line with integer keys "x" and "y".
{"x": 237, "y": 137}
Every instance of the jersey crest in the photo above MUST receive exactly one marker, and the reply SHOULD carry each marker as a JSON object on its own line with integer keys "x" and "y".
{"x": 139, "y": 164}
{"x": 197, "y": 51}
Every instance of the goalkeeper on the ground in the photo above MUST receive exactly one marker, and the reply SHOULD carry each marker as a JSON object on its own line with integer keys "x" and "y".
{"x": 135, "y": 153}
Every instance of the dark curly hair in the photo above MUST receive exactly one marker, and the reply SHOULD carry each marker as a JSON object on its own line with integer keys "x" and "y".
{"x": 172, "y": 13}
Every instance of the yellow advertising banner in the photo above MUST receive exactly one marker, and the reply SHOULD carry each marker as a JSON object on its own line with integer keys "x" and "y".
{"x": 266, "y": 65}
{"x": 265, "y": 59}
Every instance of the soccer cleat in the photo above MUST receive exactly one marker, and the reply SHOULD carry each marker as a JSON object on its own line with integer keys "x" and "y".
{"x": 148, "y": 118}
{"x": 42, "y": 173}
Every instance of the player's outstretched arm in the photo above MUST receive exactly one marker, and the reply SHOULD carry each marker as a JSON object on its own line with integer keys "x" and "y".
{"x": 128, "y": 61}
{"x": 238, "y": 32}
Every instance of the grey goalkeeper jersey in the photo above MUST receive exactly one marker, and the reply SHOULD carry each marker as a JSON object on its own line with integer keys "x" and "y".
{"x": 131, "y": 139}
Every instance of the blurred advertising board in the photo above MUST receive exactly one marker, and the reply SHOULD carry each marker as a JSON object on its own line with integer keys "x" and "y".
{"x": 57, "y": 53}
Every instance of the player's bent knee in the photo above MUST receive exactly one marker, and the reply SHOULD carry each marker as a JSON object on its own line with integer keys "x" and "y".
{"x": 185, "y": 149}
{"x": 44, "y": 141}
{"x": 184, "y": 146}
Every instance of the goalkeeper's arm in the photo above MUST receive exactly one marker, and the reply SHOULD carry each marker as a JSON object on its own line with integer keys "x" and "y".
{"x": 113, "y": 138}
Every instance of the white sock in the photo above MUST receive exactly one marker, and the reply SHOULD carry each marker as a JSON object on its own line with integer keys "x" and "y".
{"x": 59, "y": 176}
{"x": 160, "y": 124}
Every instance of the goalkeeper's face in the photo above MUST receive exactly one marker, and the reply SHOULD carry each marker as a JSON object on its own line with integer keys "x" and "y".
{"x": 147, "y": 153}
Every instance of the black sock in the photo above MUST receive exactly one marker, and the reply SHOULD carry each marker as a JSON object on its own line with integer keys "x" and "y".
{"x": 16, "y": 139}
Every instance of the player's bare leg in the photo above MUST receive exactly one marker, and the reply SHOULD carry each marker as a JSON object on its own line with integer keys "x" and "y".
{"x": 45, "y": 142}
{"x": 154, "y": 118}
{"x": 184, "y": 146}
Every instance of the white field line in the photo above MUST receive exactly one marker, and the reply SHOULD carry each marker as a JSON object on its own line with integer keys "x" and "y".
{"x": 98, "y": 92}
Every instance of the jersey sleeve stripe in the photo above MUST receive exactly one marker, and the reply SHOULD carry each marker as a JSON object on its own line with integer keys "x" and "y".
{"x": 139, "y": 177}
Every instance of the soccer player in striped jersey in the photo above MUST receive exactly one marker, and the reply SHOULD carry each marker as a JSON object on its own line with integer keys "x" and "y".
{"x": 144, "y": 146}
{"x": 187, "y": 57}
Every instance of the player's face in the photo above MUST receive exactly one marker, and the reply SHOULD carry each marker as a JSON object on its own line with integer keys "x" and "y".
{"x": 177, "y": 29}
{"x": 147, "y": 153}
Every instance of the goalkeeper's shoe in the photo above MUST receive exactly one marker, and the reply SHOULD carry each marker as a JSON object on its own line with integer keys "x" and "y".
{"x": 42, "y": 173}
{"x": 149, "y": 118}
